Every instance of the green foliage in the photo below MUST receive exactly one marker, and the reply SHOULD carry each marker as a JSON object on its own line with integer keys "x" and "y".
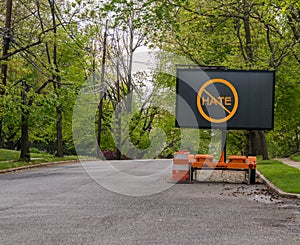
{"x": 214, "y": 33}
{"x": 296, "y": 157}
{"x": 36, "y": 68}
{"x": 205, "y": 32}
{"x": 236, "y": 142}
{"x": 284, "y": 140}
{"x": 142, "y": 132}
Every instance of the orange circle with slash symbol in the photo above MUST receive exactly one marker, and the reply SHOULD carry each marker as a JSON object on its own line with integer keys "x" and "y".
{"x": 229, "y": 113}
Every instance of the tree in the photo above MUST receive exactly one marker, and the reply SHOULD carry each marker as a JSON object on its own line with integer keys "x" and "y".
{"x": 6, "y": 41}
{"x": 238, "y": 34}
{"x": 42, "y": 64}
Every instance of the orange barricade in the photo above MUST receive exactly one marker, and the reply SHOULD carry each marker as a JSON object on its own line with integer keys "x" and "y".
{"x": 203, "y": 161}
{"x": 184, "y": 165}
{"x": 181, "y": 165}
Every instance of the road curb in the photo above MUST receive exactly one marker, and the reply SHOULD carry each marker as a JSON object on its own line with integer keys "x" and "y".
{"x": 36, "y": 166}
{"x": 275, "y": 188}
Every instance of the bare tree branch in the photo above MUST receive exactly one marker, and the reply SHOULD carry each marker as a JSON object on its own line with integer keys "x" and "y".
{"x": 28, "y": 46}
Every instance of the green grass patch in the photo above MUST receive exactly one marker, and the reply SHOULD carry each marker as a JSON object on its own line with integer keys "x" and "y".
{"x": 7, "y": 155}
{"x": 10, "y": 159}
{"x": 296, "y": 157}
{"x": 283, "y": 176}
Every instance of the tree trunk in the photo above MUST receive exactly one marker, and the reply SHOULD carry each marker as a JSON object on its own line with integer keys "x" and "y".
{"x": 6, "y": 42}
{"x": 1, "y": 141}
{"x": 100, "y": 112}
{"x": 118, "y": 108}
{"x": 258, "y": 141}
{"x": 57, "y": 79}
{"x": 119, "y": 138}
{"x": 247, "y": 29}
{"x": 25, "y": 146}
{"x": 59, "y": 134}
{"x": 102, "y": 80}
{"x": 264, "y": 145}
{"x": 257, "y": 144}
{"x": 6, "y": 39}
{"x": 253, "y": 143}
{"x": 129, "y": 75}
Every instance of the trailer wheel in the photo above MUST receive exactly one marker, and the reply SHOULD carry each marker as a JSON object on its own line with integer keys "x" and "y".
{"x": 251, "y": 176}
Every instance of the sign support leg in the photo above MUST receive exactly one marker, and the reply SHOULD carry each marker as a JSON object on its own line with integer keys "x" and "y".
{"x": 223, "y": 155}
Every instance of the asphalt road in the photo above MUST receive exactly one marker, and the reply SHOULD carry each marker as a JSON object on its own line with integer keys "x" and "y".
{"x": 63, "y": 204}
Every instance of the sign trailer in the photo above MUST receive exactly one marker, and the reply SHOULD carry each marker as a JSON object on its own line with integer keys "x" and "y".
{"x": 218, "y": 98}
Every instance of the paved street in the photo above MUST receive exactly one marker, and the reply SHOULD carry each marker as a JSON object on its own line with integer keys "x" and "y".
{"x": 63, "y": 204}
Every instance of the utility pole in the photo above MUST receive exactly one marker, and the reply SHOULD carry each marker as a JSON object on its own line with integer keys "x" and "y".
{"x": 100, "y": 106}
{"x": 6, "y": 41}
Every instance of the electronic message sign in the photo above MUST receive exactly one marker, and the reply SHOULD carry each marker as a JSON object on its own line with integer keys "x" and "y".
{"x": 226, "y": 99}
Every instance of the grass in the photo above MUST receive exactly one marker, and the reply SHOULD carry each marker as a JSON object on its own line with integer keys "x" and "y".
{"x": 283, "y": 176}
{"x": 296, "y": 157}
{"x": 7, "y": 155}
{"x": 10, "y": 159}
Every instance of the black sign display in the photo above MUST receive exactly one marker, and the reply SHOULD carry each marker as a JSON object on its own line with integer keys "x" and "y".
{"x": 227, "y": 99}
